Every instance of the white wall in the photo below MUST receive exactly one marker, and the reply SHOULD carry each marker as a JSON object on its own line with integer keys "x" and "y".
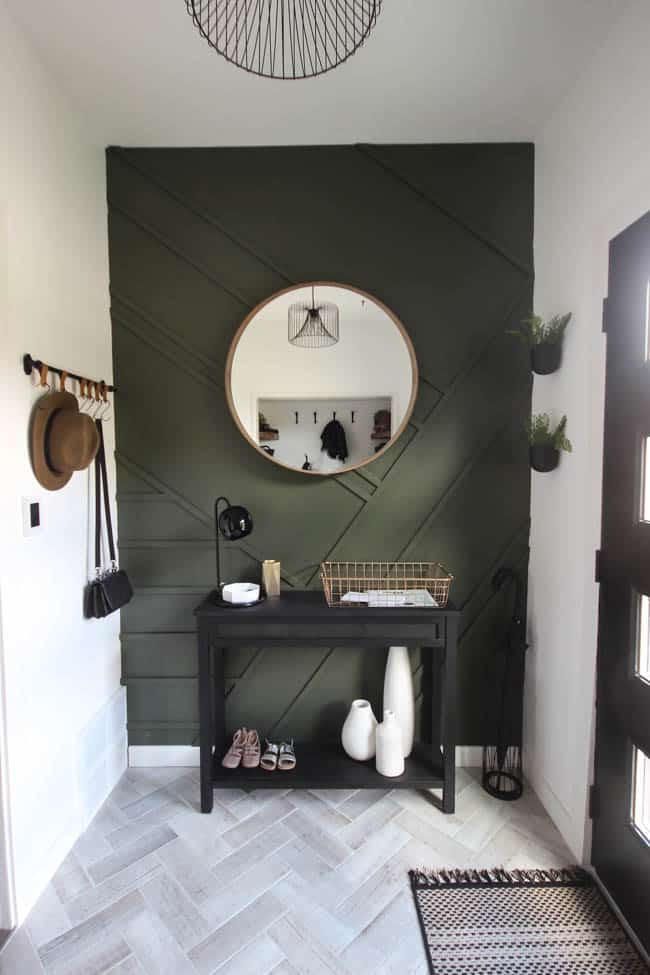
{"x": 592, "y": 180}
{"x": 64, "y": 713}
{"x": 371, "y": 357}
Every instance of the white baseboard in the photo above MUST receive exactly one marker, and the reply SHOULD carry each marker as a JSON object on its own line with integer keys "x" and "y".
{"x": 187, "y": 756}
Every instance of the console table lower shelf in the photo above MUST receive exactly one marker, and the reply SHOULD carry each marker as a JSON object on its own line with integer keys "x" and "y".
{"x": 297, "y": 619}
{"x": 328, "y": 767}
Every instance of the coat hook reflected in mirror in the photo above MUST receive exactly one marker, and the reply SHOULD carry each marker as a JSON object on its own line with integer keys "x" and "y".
{"x": 296, "y": 415}
{"x": 315, "y": 417}
{"x": 353, "y": 412}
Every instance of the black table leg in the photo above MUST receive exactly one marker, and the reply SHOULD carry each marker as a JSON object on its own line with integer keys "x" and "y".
{"x": 206, "y": 692}
{"x": 448, "y": 707}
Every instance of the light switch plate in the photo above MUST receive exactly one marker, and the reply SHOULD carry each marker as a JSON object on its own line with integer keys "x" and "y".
{"x": 31, "y": 516}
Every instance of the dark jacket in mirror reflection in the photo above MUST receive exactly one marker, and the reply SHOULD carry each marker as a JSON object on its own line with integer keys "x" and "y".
{"x": 333, "y": 441}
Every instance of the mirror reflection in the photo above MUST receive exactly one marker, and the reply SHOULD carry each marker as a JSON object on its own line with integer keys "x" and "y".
{"x": 321, "y": 378}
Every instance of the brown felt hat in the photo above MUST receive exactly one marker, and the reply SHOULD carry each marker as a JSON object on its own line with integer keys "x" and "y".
{"x": 62, "y": 440}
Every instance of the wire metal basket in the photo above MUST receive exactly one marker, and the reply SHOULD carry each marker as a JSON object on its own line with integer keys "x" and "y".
{"x": 385, "y": 584}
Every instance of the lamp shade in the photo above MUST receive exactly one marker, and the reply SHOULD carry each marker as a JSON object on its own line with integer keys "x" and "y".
{"x": 235, "y": 522}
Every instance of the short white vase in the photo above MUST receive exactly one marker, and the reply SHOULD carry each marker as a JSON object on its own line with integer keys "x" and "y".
{"x": 398, "y": 694}
{"x": 358, "y": 733}
{"x": 390, "y": 751}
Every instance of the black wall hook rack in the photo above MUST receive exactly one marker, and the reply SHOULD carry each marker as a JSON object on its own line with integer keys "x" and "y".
{"x": 29, "y": 363}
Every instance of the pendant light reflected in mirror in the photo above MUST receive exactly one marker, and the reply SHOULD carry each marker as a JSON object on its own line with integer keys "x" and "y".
{"x": 313, "y": 326}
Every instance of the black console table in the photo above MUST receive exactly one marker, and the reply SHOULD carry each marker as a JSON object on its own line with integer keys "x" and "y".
{"x": 297, "y": 618}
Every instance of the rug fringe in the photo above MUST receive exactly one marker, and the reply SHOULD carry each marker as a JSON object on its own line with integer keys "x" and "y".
{"x": 498, "y": 877}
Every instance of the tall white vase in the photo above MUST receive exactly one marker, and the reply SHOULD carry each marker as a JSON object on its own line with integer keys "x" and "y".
{"x": 390, "y": 752}
{"x": 358, "y": 733}
{"x": 398, "y": 694}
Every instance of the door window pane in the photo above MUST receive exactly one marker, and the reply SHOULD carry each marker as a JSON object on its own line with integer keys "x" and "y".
{"x": 645, "y": 480}
{"x": 647, "y": 321}
{"x": 641, "y": 797}
{"x": 643, "y": 638}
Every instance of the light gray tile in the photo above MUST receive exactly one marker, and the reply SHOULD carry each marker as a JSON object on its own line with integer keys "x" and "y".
{"x": 272, "y": 813}
{"x": 48, "y": 918}
{"x": 247, "y": 857}
{"x": 71, "y": 879}
{"x": 395, "y": 928}
{"x": 110, "y": 890}
{"x": 130, "y": 966}
{"x": 202, "y": 833}
{"x": 91, "y": 846}
{"x": 132, "y": 831}
{"x": 364, "y": 862}
{"x": 335, "y": 796}
{"x": 97, "y": 937}
{"x": 306, "y": 864}
{"x": 360, "y": 801}
{"x": 18, "y": 956}
{"x": 329, "y": 848}
{"x": 235, "y": 934}
{"x": 178, "y": 913}
{"x": 330, "y": 931}
{"x": 229, "y": 901}
{"x": 260, "y": 957}
{"x": 154, "y": 946}
{"x": 305, "y": 953}
{"x": 369, "y": 899}
{"x": 443, "y": 850}
{"x": 189, "y": 870}
{"x": 229, "y": 796}
{"x": 369, "y": 822}
{"x": 150, "y": 804}
{"x": 128, "y": 854}
{"x": 285, "y": 968}
{"x": 319, "y": 811}
{"x": 110, "y": 817}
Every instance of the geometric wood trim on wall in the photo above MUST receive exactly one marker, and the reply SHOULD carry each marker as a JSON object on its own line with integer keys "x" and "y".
{"x": 197, "y": 237}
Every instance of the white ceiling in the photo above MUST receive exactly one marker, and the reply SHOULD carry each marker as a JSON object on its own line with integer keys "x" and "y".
{"x": 431, "y": 71}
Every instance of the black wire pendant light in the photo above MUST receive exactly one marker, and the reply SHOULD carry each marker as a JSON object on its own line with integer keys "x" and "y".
{"x": 313, "y": 326}
{"x": 286, "y": 39}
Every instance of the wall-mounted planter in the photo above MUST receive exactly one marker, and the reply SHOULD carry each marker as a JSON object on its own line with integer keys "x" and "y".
{"x": 545, "y": 358}
{"x": 544, "y": 458}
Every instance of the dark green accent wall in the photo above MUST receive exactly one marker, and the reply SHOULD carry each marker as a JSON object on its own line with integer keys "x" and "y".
{"x": 443, "y": 235}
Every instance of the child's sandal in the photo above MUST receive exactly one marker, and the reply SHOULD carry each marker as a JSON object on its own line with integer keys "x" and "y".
{"x": 287, "y": 759}
{"x": 269, "y": 760}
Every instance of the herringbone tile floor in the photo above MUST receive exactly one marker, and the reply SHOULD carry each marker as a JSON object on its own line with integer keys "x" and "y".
{"x": 282, "y": 882}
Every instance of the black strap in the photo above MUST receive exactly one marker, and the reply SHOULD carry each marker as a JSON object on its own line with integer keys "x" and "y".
{"x": 101, "y": 454}
{"x": 98, "y": 517}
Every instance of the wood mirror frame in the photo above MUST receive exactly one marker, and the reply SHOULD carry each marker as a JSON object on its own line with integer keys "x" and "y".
{"x": 299, "y": 287}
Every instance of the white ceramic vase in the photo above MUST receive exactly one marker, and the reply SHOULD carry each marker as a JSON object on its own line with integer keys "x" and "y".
{"x": 358, "y": 733}
{"x": 390, "y": 751}
{"x": 398, "y": 694}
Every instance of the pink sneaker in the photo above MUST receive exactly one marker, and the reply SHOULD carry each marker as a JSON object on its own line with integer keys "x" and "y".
{"x": 233, "y": 756}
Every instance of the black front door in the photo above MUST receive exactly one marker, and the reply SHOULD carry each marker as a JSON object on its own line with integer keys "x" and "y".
{"x": 621, "y": 840}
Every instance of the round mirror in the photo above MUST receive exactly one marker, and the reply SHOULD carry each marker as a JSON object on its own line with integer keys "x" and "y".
{"x": 321, "y": 378}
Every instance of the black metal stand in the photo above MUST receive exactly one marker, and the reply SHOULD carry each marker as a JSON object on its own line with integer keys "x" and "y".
{"x": 502, "y": 765}
{"x": 303, "y": 618}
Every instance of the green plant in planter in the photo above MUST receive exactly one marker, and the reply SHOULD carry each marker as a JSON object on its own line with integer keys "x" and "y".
{"x": 535, "y": 331}
{"x": 546, "y": 443}
{"x": 544, "y": 339}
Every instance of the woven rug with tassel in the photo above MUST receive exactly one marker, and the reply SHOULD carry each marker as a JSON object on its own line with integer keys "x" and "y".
{"x": 546, "y": 922}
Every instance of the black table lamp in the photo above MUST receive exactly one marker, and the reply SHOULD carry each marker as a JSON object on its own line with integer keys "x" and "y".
{"x": 233, "y": 523}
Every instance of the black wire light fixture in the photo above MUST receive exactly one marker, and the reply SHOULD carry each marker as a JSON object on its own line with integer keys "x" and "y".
{"x": 313, "y": 326}
{"x": 287, "y": 39}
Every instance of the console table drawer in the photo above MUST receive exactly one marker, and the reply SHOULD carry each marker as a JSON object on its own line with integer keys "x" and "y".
{"x": 330, "y": 634}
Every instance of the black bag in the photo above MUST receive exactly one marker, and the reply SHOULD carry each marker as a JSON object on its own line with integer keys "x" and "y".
{"x": 110, "y": 590}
